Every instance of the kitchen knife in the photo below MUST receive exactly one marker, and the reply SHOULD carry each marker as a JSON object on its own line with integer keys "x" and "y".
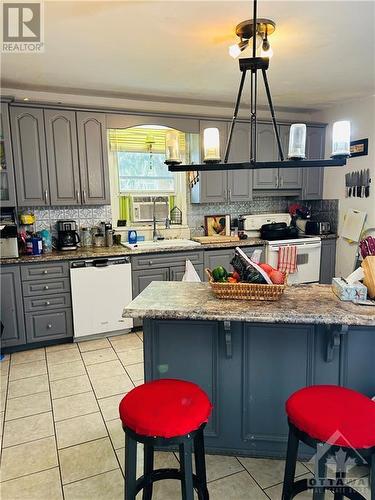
{"x": 346, "y": 185}
{"x": 367, "y": 183}
{"x": 359, "y": 184}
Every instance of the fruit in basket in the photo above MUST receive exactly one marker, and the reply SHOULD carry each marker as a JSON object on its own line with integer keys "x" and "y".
{"x": 267, "y": 268}
{"x": 236, "y": 276}
{"x": 219, "y": 274}
{"x": 231, "y": 279}
{"x": 277, "y": 277}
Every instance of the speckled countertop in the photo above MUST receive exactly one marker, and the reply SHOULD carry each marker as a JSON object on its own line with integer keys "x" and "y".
{"x": 117, "y": 251}
{"x": 308, "y": 304}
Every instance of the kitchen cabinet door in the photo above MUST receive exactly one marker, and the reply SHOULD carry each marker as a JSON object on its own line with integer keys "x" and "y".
{"x": 327, "y": 261}
{"x": 240, "y": 182}
{"x": 29, "y": 151}
{"x": 266, "y": 178}
{"x": 213, "y": 185}
{"x": 49, "y": 325}
{"x": 312, "y": 178}
{"x": 93, "y": 158}
{"x": 7, "y": 185}
{"x": 215, "y": 258}
{"x": 289, "y": 178}
{"x": 62, "y": 155}
{"x": 177, "y": 272}
{"x": 12, "y": 307}
{"x": 141, "y": 279}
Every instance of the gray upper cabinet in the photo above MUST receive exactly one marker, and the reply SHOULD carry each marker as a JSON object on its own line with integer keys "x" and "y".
{"x": 12, "y": 307}
{"x": 62, "y": 154}
{"x": 240, "y": 182}
{"x": 93, "y": 158}
{"x": 30, "y": 161}
{"x": 7, "y": 185}
{"x": 266, "y": 178}
{"x": 312, "y": 181}
{"x": 213, "y": 185}
{"x": 289, "y": 178}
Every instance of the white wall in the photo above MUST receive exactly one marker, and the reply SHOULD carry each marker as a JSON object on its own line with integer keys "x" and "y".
{"x": 361, "y": 113}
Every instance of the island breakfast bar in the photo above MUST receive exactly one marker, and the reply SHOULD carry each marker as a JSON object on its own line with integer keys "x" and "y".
{"x": 251, "y": 356}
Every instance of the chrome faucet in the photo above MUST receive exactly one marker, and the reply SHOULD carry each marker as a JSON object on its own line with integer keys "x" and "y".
{"x": 154, "y": 230}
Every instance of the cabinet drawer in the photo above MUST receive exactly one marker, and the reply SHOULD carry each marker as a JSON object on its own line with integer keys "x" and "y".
{"x": 48, "y": 325}
{"x": 166, "y": 259}
{"x": 47, "y": 287}
{"x": 45, "y": 271}
{"x": 45, "y": 303}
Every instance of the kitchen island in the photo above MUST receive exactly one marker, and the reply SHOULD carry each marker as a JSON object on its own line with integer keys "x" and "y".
{"x": 250, "y": 356}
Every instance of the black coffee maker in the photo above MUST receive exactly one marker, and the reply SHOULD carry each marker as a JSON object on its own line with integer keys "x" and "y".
{"x": 67, "y": 235}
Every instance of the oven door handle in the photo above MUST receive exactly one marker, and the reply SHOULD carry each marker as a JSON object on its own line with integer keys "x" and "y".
{"x": 304, "y": 246}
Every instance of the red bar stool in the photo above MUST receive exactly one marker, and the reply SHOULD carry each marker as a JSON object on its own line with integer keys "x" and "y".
{"x": 332, "y": 420}
{"x": 160, "y": 414}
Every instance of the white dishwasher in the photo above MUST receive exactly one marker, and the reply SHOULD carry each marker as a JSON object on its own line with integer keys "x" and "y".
{"x": 100, "y": 288}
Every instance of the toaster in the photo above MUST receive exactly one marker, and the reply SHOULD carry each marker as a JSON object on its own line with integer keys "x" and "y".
{"x": 315, "y": 227}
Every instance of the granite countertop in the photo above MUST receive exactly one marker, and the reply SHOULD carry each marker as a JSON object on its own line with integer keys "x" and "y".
{"x": 117, "y": 251}
{"x": 308, "y": 304}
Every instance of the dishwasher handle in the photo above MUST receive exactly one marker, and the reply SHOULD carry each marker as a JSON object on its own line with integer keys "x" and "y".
{"x": 100, "y": 263}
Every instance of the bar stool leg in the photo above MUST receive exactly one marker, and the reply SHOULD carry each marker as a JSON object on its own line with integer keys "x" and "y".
{"x": 200, "y": 465}
{"x": 130, "y": 467}
{"x": 148, "y": 467}
{"x": 320, "y": 473}
{"x": 185, "y": 451}
{"x": 372, "y": 476}
{"x": 290, "y": 464}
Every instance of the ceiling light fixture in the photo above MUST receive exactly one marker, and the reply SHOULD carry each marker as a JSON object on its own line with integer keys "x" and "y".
{"x": 254, "y": 64}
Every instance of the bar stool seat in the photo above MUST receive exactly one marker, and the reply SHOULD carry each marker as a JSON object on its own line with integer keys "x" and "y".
{"x": 165, "y": 413}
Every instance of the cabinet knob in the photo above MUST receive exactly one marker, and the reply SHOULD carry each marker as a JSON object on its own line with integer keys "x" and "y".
{"x": 45, "y": 271}
{"x": 46, "y": 287}
{"x": 150, "y": 262}
{"x": 49, "y": 326}
{"x": 48, "y": 303}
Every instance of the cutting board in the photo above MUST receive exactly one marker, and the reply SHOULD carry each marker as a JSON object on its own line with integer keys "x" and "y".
{"x": 216, "y": 239}
{"x": 353, "y": 225}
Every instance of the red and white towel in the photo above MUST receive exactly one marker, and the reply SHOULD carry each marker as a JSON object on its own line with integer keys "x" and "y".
{"x": 287, "y": 262}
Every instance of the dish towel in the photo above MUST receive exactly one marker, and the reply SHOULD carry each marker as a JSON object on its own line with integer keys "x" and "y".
{"x": 287, "y": 259}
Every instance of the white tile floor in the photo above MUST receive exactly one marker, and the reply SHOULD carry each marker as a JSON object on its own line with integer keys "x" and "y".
{"x": 62, "y": 438}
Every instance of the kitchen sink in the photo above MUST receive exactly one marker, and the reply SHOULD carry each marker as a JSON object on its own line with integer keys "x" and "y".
{"x": 148, "y": 245}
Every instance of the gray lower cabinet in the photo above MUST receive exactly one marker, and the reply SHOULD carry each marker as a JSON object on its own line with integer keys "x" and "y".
{"x": 30, "y": 160}
{"x": 327, "y": 261}
{"x": 176, "y": 273}
{"x": 93, "y": 158}
{"x": 62, "y": 155}
{"x": 12, "y": 316}
{"x": 312, "y": 178}
{"x": 50, "y": 325}
{"x": 141, "y": 279}
{"x": 215, "y": 258}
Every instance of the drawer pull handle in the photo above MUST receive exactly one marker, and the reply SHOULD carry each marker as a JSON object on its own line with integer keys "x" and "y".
{"x": 49, "y": 326}
{"x": 45, "y": 271}
{"x": 48, "y": 303}
{"x": 46, "y": 287}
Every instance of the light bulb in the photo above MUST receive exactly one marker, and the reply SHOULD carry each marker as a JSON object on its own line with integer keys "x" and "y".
{"x": 297, "y": 141}
{"x": 236, "y": 49}
{"x": 211, "y": 145}
{"x": 266, "y": 53}
{"x": 341, "y": 138}
{"x": 172, "y": 147}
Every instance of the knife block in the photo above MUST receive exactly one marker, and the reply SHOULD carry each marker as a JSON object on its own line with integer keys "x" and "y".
{"x": 369, "y": 280}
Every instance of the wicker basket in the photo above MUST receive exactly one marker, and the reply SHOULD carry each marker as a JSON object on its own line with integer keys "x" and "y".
{"x": 245, "y": 291}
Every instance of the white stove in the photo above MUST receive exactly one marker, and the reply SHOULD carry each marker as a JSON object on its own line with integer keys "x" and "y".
{"x": 308, "y": 248}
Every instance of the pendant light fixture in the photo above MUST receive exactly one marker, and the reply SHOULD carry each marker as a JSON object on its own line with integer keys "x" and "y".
{"x": 247, "y": 30}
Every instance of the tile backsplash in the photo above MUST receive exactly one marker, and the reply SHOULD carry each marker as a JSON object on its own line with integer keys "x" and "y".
{"x": 326, "y": 210}
{"x": 46, "y": 218}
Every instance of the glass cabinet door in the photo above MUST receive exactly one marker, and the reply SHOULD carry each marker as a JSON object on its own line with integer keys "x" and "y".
{"x": 7, "y": 188}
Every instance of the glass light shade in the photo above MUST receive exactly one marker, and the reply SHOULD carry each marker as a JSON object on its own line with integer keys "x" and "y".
{"x": 297, "y": 141}
{"x": 172, "y": 147}
{"x": 341, "y": 138}
{"x": 211, "y": 145}
{"x": 266, "y": 53}
{"x": 234, "y": 50}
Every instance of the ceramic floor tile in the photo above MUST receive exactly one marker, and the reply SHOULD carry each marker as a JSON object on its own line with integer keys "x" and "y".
{"x": 131, "y": 356}
{"x": 23, "y": 430}
{"x": 61, "y": 347}
{"x": 28, "y": 458}
{"x": 219, "y": 466}
{"x": 87, "y": 459}
{"x": 99, "y": 356}
{"x": 40, "y": 486}
{"x": 66, "y": 370}
{"x": 112, "y": 385}
{"x": 138, "y": 382}
{"x": 27, "y": 386}
{"x": 105, "y": 370}
{"x": 125, "y": 342}
{"x": 162, "y": 459}
{"x": 116, "y": 433}
{"x": 274, "y": 493}
{"x": 140, "y": 335}
{"x": 28, "y": 405}
{"x": 268, "y": 472}
{"x": 109, "y": 406}
{"x": 106, "y": 486}
{"x": 74, "y": 406}
{"x": 70, "y": 386}
{"x": 236, "y": 487}
{"x": 135, "y": 372}
{"x": 28, "y": 356}
{"x": 63, "y": 356}
{"x": 79, "y": 430}
{"x": 92, "y": 345}
{"x": 26, "y": 370}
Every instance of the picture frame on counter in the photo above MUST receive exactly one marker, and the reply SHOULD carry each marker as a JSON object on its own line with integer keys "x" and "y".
{"x": 217, "y": 225}
{"x": 359, "y": 148}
